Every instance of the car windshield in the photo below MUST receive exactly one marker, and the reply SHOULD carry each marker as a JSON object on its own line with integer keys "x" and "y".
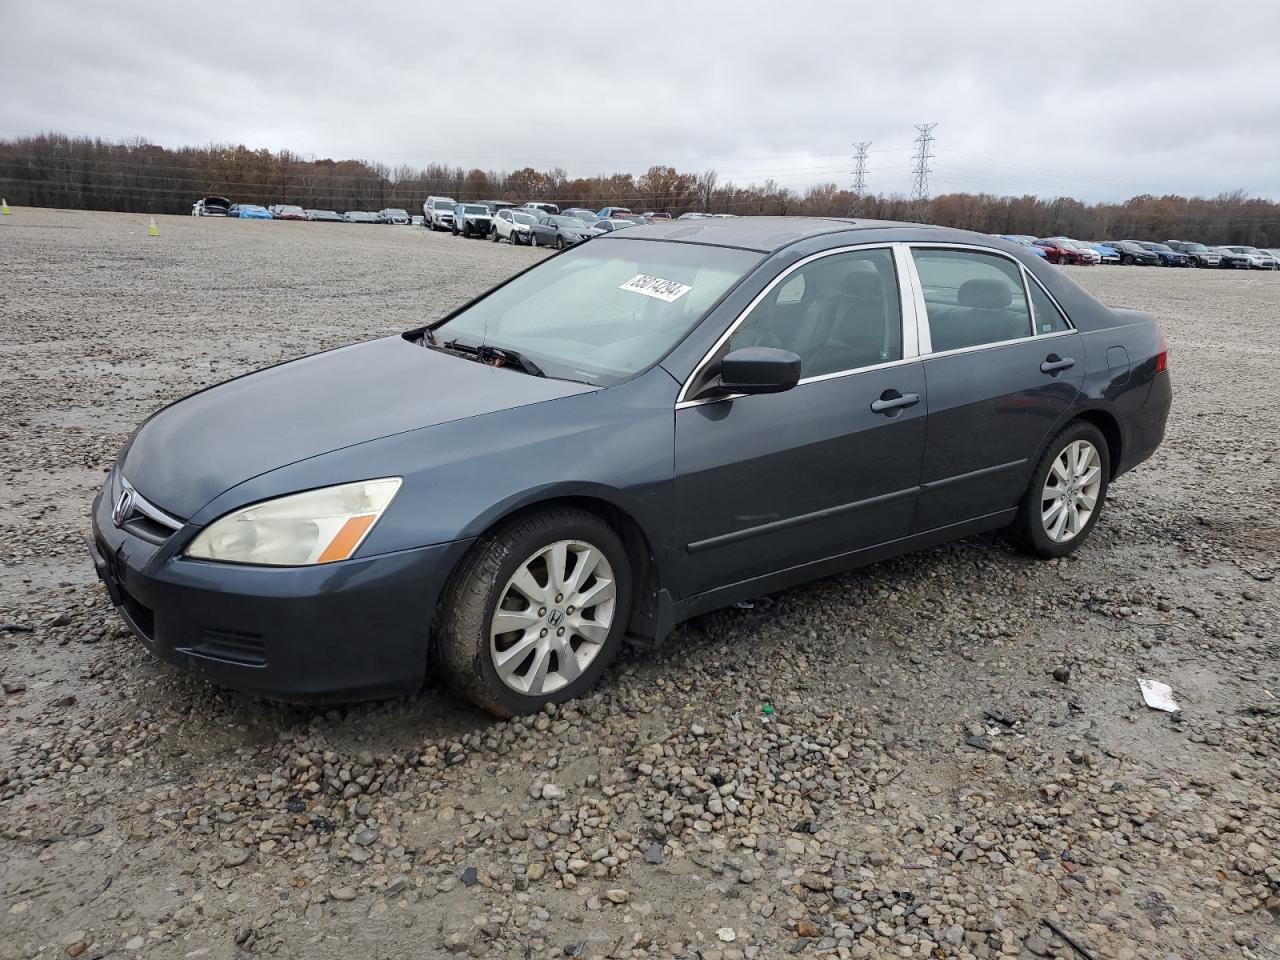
{"x": 571, "y": 222}
{"x": 604, "y": 311}
{"x": 1158, "y": 247}
{"x": 397, "y": 213}
{"x": 290, "y": 209}
{"x": 475, "y": 208}
{"x": 1253, "y": 250}
{"x": 442, "y": 204}
{"x": 522, "y": 217}
{"x": 1194, "y": 248}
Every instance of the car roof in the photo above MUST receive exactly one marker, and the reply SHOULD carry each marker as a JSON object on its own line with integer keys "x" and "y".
{"x": 769, "y": 234}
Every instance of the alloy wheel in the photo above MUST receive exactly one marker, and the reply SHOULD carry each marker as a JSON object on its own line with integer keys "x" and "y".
{"x": 553, "y": 617}
{"x": 1071, "y": 490}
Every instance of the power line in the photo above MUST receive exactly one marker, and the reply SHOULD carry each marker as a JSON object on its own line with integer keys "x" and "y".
{"x": 859, "y": 177}
{"x": 920, "y": 184}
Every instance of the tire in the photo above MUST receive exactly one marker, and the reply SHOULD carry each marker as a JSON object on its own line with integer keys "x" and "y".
{"x": 1126, "y": 261}
{"x": 454, "y": 229}
{"x": 533, "y": 239}
{"x": 1029, "y": 526}
{"x": 559, "y": 242}
{"x": 493, "y": 234}
{"x": 469, "y": 650}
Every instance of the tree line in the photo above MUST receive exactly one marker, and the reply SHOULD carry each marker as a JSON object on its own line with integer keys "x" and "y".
{"x": 79, "y": 173}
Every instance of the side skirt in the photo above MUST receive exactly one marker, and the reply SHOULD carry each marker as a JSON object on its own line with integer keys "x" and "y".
{"x": 841, "y": 563}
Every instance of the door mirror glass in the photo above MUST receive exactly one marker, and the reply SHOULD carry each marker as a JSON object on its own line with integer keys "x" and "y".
{"x": 759, "y": 370}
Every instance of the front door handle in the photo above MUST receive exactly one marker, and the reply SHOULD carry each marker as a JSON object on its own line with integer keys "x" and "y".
{"x": 891, "y": 401}
{"x": 1053, "y": 363}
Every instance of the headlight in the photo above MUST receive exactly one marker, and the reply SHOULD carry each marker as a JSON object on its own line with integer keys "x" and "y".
{"x": 319, "y": 526}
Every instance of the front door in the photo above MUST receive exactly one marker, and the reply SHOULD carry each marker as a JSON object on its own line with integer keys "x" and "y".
{"x": 769, "y": 482}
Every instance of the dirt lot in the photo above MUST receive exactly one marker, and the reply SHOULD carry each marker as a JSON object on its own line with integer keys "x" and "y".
{"x": 957, "y": 755}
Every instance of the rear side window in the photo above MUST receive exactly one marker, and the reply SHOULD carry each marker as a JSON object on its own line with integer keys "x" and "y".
{"x": 971, "y": 298}
{"x": 1048, "y": 317}
{"x": 837, "y": 313}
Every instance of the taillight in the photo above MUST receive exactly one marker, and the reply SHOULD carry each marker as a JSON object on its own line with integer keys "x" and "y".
{"x": 1162, "y": 357}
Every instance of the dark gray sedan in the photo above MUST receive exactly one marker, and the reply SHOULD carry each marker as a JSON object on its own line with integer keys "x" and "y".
{"x": 635, "y": 431}
{"x": 559, "y": 231}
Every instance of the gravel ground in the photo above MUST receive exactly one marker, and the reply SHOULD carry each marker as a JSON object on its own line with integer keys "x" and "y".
{"x": 942, "y": 755}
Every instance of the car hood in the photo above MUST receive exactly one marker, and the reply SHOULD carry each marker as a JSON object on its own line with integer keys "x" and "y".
{"x": 197, "y": 448}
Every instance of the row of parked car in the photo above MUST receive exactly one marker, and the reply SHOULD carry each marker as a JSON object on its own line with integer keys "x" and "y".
{"x": 535, "y": 223}
{"x": 1148, "y": 253}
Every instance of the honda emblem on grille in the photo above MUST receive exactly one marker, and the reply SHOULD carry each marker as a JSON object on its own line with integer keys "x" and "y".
{"x": 123, "y": 507}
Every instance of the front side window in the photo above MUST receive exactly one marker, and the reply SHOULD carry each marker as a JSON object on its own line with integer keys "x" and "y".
{"x": 602, "y": 312}
{"x": 837, "y": 313}
{"x": 971, "y": 298}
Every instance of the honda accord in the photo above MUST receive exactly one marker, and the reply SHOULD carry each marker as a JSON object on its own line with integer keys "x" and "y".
{"x": 627, "y": 434}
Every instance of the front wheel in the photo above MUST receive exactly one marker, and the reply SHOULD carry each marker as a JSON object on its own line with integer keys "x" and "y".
{"x": 1067, "y": 490}
{"x": 533, "y": 239}
{"x": 493, "y": 234}
{"x": 536, "y": 612}
{"x": 559, "y": 243}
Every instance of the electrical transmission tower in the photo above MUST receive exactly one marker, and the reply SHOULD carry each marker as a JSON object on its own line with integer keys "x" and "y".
{"x": 859, "y": 177}
{"x": 920, "y": 186}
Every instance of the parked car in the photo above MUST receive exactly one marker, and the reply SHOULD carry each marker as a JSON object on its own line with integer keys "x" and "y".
{"x": 496, "y": 205}
{"x": 580, "y": 213}
{"x": 288, "y": 211}
{"x": 610, "y": 225}
{"x": 325, "y": 216}
{"x": 249, "y": 211}
{"x": 1232, "y": 260}
{"x": 1272, "y": 252}
{"x": 655, "y": 216}
{"x": 1108, "y": 252}
{"x": 1167, "y": 255}
{"x": 439, "y": 212}
{"x": 417, "y": 220}
{"x": 1085, "y": 251}
{"x": 1063, "y": 252}
{"x": 694, "y": 215}
{"x": 1028, "y": 242}
{"x": 394, "y": 215}
{"x": 302, "y": 542}
{"x": 360, "y": 216}
{"x": 1201, "y": 256}
{"x": 211, "y": 207}
{"x": 540, "y": 208}
{"x": 607, "y": 213}
{"x": 472, "y": 220}
{"x": 1257, "y": 259}
{"x": 559, "y": 231}
{"x": 1134, "y": 254}
{"x": 514, "y": 225}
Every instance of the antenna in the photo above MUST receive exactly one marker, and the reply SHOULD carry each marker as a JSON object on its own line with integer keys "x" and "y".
{"x": 859, "y": 177}
{"x": 920, "y": 185}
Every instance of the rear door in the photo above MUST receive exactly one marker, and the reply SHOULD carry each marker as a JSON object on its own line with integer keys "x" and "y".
{"x": 769, "y": 482}
{"x": 1002, "y": 365}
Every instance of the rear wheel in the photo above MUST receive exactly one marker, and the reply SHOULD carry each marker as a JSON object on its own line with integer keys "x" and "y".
{"x": 493, "y": 234}
{"x": 559, "y": 242}
{"x": 533, "y": 239}
{"x": 536, "y": 612}
{"x": 1067, "y": 490}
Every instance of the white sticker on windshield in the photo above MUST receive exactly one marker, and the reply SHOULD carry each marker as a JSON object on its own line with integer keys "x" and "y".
{"x": 656, "y": 287}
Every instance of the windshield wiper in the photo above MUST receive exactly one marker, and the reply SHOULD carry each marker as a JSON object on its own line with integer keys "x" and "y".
{"x": 506, "y": 357}
{"x": 496, "y": 356}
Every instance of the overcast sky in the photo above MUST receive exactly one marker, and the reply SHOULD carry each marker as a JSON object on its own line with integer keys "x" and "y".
{"x": 1099, "y": 100}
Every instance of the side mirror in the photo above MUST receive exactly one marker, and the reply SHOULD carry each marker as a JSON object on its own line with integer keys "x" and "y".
{"x": 759, "y": 370}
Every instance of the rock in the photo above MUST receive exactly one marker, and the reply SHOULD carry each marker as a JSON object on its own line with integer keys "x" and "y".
{"x": 235, "y": 857}
{"x": 727, "y": 934}
{"x": 345, "y": 894}
{"x": 1062, "y": 674}
{"x": 551, "y": 792}
{"x": 134, "y": 943}
{"x": 617, "y": 895}
{"x": 469, "y": 877}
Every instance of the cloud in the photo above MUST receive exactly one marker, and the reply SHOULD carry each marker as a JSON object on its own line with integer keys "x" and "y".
{"x": 1101, "y": 104}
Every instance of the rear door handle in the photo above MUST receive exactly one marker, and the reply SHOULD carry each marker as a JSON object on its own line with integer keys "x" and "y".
{"x": 892, "y": 400}
{"x": 1053, "y": 363}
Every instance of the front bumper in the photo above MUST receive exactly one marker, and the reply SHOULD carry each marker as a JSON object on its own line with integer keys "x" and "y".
{"x": 353, "y": 630}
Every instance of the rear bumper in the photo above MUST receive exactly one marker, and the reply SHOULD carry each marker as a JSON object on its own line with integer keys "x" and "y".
{"x": 354, "y": 630}
{"x": 1146, "y": 426}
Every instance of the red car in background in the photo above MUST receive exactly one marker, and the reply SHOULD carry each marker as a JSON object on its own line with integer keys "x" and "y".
{"x": 285, "y": 211}
{"x": 1064, "y": 252}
